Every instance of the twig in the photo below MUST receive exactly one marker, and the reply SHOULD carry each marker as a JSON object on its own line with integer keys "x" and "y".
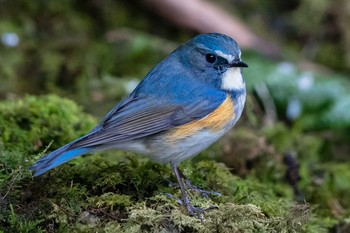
{"x": 12, "y": 182}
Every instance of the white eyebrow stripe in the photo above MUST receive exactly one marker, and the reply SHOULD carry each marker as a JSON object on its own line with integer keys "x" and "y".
{"x": 228, "y": 57}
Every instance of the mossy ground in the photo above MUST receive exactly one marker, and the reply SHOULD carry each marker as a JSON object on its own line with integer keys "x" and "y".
{"x": 117, "y": 191}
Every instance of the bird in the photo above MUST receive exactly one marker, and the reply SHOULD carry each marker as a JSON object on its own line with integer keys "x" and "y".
{"x": 182, "y": 106}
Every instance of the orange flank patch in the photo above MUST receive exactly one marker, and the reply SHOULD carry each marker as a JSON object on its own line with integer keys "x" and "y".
{"x": 215, "y": 121}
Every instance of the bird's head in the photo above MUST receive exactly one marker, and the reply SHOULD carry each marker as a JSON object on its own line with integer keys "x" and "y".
{"x": 213, "y": 58}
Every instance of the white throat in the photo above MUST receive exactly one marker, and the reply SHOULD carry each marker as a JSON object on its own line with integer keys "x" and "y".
{"x": 232, "y": 80}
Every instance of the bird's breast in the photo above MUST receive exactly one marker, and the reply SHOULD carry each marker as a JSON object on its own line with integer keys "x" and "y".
{"x": 218, "y": 120}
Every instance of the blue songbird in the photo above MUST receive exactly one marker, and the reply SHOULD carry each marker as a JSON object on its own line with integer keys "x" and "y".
{"x": 182, "y": 106}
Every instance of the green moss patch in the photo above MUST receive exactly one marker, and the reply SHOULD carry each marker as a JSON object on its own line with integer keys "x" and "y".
{"x": 117, "y": 191}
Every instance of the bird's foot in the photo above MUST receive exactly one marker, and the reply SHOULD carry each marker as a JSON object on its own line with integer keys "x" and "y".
{"x": 185, "y": 201}
{"x": 178, "y": 200}
{"x": 192, "y": 210}
{"x": 202, "y": 192}
{"x": 198, "y": 212}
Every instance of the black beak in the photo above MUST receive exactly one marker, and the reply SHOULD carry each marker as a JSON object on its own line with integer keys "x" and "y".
{"x": 238, "y": 63}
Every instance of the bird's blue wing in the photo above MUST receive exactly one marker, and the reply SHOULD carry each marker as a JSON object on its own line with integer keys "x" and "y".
{"x": 133, "y": 118}
{"x": 141, "y": 117}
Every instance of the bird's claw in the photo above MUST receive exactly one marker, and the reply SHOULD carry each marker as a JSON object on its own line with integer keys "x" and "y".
{"x": 192, "y": 210}
{"x": 178, "y": 200}
{"x": 202, "y": 192}
{"x": 198, "y": 212}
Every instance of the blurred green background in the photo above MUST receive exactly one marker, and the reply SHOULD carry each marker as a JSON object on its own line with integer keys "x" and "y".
{"x": 95, "y": 52}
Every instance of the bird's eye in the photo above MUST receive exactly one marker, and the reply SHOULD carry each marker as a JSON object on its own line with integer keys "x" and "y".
{"x": 211, "y": 58}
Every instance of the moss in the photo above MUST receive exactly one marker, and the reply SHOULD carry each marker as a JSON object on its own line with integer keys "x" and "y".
{"x": 110, "y": 200}
{"x": 30, "y": 124}
{"x": 116, "y": 191}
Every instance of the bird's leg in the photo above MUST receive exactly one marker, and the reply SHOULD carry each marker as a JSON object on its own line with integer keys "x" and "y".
{"x": 194, "y": 211}
{"x": 202, "y": 192}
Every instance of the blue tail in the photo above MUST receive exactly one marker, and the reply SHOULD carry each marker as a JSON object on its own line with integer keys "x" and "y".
{"x": 57, "y": 157}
